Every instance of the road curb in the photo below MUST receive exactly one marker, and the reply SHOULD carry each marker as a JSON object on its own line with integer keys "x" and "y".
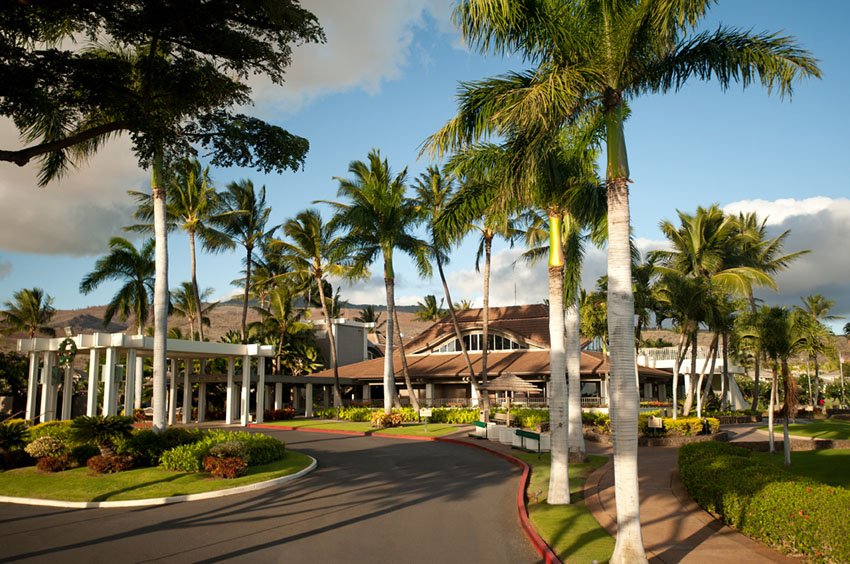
{"x": 161, "y": 500}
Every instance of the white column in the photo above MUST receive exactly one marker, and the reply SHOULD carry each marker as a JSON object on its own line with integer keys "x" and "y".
{"x": 261, "y": 389}
{"x": 47, "y": 411}
{"x": 67, "y": 392}
{"x": 473, "y": 396}
{"x": 130, "y": 383}
{"x": 309, "y": 401}
{"x": 278, "y": 395}
{"x": 94, "y": 369}
{"x": 296, "y": 397}
{"x": 32, "y": 387}
{"x": 188, "y": 368}
{"x": 137, "y": 383}
{"x": 325, "y": 398}
{"x": 245, "y": 407}
{"x": 228, "y": 404}
{"x": 172, "y": 393}
{"x": 367, "y": 392}
{"x": 202, "y": 401}
{"x": 109, "y": 383}
{"x": 429, "y": 394}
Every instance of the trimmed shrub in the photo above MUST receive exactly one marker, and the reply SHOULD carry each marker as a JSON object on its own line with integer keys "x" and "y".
{"x": 13, "y": 435}
{"x": 454, "y": 415}
{"x": 57, "y": 429}
{"x": 383, "y": 420}
{"x": 279, "y": 414}
{"x": 147, "y": 446}
{"x": 788, "y": 512}
{"x": 259, "y": 449}
{"x": 228, "y": 467}
{"x": 230, "y": 449}
{"x": 100, "y": 464}
{"x": 54, "y": 463}
{"x": 46, "y": 447}
{"x": 599, "y": 421}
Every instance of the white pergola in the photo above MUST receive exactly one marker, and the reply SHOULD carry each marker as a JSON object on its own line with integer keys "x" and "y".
{"x": 44, "y": 357}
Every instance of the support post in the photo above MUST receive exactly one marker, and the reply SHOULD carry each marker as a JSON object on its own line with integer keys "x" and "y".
{"x": 47, "y": 409}
{"x": 137, "y": 383}
{"x": 245, "y": 407}
{"x": 202, "y": 401}
{"x": 367, "y": 392}
{"x": 261, "y": 389}
{"x": 67, "y": 392}
{"x": 309, "y": 401}
{"x": 130, "y": 383}
{"x": 278, "y": 395}
{"x": 325, "y": 398}
{"x": 188, "y": 368}
{"x": 231, "y": 397}
{"x": 296, "y": 397}
{"x": 94, "y": 369}
{"x": 32, "y": 388}
{"x": 429, "y": 394}
{"x": 109, "y": 406}
{"x": 172, "y": 393}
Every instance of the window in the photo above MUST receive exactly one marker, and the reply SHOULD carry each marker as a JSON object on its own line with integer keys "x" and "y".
{"x": 474, "y": 342}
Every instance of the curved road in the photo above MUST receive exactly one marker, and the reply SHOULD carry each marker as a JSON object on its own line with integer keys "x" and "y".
{"x": 371, "y": 500}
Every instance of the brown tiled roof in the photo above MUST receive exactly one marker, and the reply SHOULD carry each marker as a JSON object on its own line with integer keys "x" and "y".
{"x": 530, "y": 322}
{"x": 452, "y": 365}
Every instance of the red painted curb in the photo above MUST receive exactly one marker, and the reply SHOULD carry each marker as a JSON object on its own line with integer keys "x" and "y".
{"x": 543, "y": 549}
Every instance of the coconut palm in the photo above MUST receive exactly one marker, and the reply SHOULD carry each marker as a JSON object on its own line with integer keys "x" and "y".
{"x": 817, "y": 308}
{"x": 280, "y": 322}
{"x": 183, "y": 302}
{"x": 135, "y": 268}
{"x": 192, "y": 206}
{"x": 379, "y": 217}
{"x": 316, "y": 250}
{"x": 592, "y": 56}
{"x": 244, "y": 218}
{"x": 368, "y": 314}
{"x": 29, "y": 311}
{"x": 429, "y": 309}
{"x": 463, "y": 305}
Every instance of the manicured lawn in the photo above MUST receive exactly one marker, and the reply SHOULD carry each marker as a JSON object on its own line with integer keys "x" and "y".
{"x": 830, "y": 466}
{"x": 414, "y": 429}
{"x": 141, "y": 483}
{"x": 827, "y": 429}
{"x": 571, "y": 529}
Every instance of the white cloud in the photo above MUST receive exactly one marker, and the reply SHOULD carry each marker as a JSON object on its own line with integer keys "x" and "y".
{"x": 74, "y": 216}
{"x": 777, "y": 211}
{"x": 5, "y": 268}
{"x": 368, "y": 43}
{"x": 373, "y": 291}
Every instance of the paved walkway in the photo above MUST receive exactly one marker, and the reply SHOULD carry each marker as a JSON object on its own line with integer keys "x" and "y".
{"x": 675, "y": 529}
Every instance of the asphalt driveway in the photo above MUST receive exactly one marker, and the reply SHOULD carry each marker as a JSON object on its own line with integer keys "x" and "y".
{"x": 371, "y": 500}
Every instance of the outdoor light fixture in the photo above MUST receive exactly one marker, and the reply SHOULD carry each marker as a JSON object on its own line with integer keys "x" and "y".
{"x": 69, "y": 332}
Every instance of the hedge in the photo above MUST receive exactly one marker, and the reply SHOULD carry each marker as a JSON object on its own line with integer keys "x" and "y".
{"x": 260, "y": 449}
{"x": 451, "y": 415}
{"x": 788, "y": 512}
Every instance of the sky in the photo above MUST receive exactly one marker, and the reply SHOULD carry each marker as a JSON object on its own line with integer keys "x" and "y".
{"x": 386, "y": 78}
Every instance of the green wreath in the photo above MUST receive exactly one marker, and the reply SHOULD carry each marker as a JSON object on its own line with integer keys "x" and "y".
{"x": 67, "y": 351}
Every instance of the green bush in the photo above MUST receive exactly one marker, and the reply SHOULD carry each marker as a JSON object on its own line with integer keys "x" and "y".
{"x": 788, "y": 512}
{"x": 259, "y": 449}
{"x": 230, "y": 449}
{"x": 383, "y": 420}
{"x": 57, "y": 429}
{"x": 46, "y": 447}
{"x": 80, "y": 454}
{"x": 454, "y": 415}
{"x": 13, "y": 435}
{"x": 681, "y": 427}
{"x": 599, "y": 421}
{"x": 529, "y": 417}
{"x": 147, "y": 446}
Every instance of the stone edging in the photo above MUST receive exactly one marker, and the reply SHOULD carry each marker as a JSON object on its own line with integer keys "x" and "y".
{"x": 161, "y": 500}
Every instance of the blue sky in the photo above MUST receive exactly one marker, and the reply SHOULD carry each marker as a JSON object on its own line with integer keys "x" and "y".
{"x": 386, "y": 79}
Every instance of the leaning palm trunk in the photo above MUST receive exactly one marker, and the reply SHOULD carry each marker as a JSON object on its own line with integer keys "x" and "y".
{"x": 789, "y": 409}
{"x": 692, "y": 377}
{"x": 414, "y": 401}
{"x": 572, "y": 318}
{"x": 725, "y": 385}
{"x": 248, "y": 253}
{"x": 624, "y": 397}
{"x": 389, "y": 372}
{"x": 712, "y": 349}
{"x": 331, "y": 343}
{"x": 486, "y": 396}
{"x": 160, "y": 300}
{"x": 680, "y": 357}
{"x": 559, "y": 483}
{"x": 756, "y": 360}
{"x": 485, "y": 336}
{"x": 771, "y": 408}
{"x": 196, "y": 295}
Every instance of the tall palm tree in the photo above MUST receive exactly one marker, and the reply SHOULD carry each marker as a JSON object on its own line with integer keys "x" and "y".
{"x": 192, "y": 206}
{"x": 429, "y": 310}
{"x": 135, "y": 268}
{"x": 29, "y": 311}
{"x": 817, "y": 307}
{"x": 380, "y": 217}
{"x": 244, "y": 218}
{"x": 280, "y": 322}
{"x": 592, "y": 56}
{"x": 316, "y": 250}
{"x": 368, "y": 315}
{"x": 184, "y": 303}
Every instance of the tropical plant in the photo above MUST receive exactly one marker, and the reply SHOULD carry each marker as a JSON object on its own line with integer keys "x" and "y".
{"x": 817, "y": 307}
{"x": 429, "y": 309}
{"x": 192, "y": 206}
{"x": 104, "y": 431}
{"x": 279, "y": 321}
{"x": 379, "y": 218}
{"x": 184, "y": 302}
{"x": 13, "y": 435}
{"x": 368, "y": 314}
{"x": 29, "y": 311}
{"x": 463, "y": 305}
{"x": 244, "y": 218}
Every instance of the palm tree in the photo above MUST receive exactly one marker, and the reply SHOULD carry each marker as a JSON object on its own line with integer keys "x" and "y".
{"x": 29, "y": 311}
{"x": 102, "y": 430}
{"x": 429, "y": 309}
{"x": 316, "y": 251}
{"x": 379, "y": 218}
{"x": 368, "y": 315}
{"x": 592, "y": 56}
{"x": 193, "y": 206}
{"x": 135, "y": 267}
{"x": 243, "y": 218}
{"x": 463, "y": 305}
{"x": 280, "y": 321}
{"x": 183, "y": 302}
{"x": 817, "y": 308}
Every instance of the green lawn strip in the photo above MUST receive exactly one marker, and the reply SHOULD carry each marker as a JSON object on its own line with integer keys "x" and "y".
{"x": 412, "y": 429}
{"x": 827, "y": 429}
{"x": 570, "y": 530}
{"x": 830, "y": 466}
{"x": 142, "y": 483}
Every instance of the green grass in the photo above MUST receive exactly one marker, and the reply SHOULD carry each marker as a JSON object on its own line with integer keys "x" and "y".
{"x": 413, "y": 429}
{"x": 141, "y": 483}
{"x": 570, "y": 530}
{"x": 826, "y": 429}
{"x": 830, "y": 466}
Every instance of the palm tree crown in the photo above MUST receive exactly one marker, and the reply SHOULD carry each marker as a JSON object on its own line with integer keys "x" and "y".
{"x": 30, "y": 311}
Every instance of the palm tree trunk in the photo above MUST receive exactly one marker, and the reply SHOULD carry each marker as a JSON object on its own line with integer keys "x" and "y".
{"x": 786, "y": 440}
{"x": 756, "y": 361}
{"x": 414, "y": 402}
{"x": 559, "y": 481}
{"x": 249, "y": 251}
{"x": 624, "y": 400}
{"x": 160, "y": 300}
{"x": 196, "y": 293}
{"x": 725, "y": 385}
{"x": 488, "y": 246}
{"x": 486, "y": 396}
{"x": 572, "y": 324}
{"x": 331, "y": 343}
{"x": 389, "y": 372}
{"x": 689, "y": 399}
{"x": 684, "y": 344}
{"x": 771, "y": 409}
{"x": 712, "y": 349}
